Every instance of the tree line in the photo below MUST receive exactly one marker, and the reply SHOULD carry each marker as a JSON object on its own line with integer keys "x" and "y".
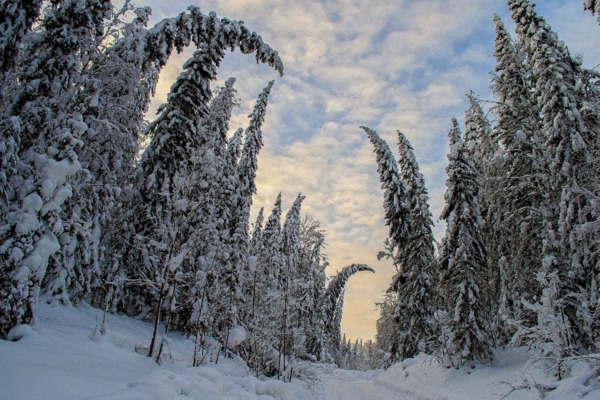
{"x": 519, "y": 262}
{"x": 164, "y": 236}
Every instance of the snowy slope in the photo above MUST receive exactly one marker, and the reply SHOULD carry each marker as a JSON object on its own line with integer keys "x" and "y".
{"x": 62, "y": 359}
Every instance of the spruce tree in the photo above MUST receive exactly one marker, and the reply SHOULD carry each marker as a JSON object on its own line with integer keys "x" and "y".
{"x": 485, "y": 154}
{"x": 415, "y": 303}
{"x": 462, "y": 258}
{"x": 570, "y": 257}
{"x": 17, "y": 17}
{"x": 332, "y": 308}
{"x": 44, "y": 119}
{"x": 516, "y": 195}
{"x": 311, "y": 285}
{"x": 290, "y": 250}
{"x": 264, "y": 322}
{"x": 246, "y": 181}
{"x": 396, "y": 208}
{"x": 256, "y": 237}
{"x": 385, "y": 335}
{"x": 107, "y": 157}
{"x": 235, "y": 272}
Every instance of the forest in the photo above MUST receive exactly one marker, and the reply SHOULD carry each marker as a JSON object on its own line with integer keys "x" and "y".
{"x": 152, "y": 218}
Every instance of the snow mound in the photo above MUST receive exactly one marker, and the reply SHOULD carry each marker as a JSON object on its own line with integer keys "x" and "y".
{"x": 236, "y": 336}
{"x": 21, "y": 331}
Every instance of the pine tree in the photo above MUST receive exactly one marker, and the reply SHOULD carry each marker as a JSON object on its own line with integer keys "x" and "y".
{"x": 463, "y": 260}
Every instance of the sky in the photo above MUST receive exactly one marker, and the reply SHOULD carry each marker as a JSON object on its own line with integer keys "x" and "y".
{"x": 387, "y": 64}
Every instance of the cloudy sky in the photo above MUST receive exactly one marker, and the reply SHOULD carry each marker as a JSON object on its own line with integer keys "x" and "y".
{"x": 387, "y": 64}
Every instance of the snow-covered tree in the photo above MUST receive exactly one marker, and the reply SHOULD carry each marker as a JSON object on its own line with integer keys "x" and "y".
{"x": 263, "y": 318}
{"x": 416, "y": 297}
{"x": 244, "y": 190}
{"x": 181, "y": 132}
{"x": 290, "y": 250}
{"x": 517, "y": 189}
{"x": 332, "y": 307}
{"x": 209, "y": 191}
{"x": 483, "y": 148}
{"x": 256, "y": 237}
{"x": 397, "y": 211}
{"x": 44, "y": 119}
{"x": 570, "y": 148}
{"x": 592, "y": 6}
{"x": 385, "y": 335}
{"x": 17, "y": 18}
{"x": 462, "y": 259}
{"x": 411, "y": 247}
{"x": 310, "y": 285}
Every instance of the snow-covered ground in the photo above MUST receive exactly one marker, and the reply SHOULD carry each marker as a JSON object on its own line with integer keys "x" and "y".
{"x": 62, "y": 358}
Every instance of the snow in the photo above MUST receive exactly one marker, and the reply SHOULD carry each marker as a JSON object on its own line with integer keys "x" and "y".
{"x": 64, "y": 357}
{"x": 236, "y": 336}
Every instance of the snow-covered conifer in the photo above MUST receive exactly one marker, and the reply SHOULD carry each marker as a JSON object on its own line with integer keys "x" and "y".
{"x": 44, "y": 118}
{"x": 462, "y": 258}
{"x": 386, "y": 331}
{"x": 247, "y": 167}
{"x": 290, "y": 249}
{"x": 264, "y": 317}
{"x": 310, "y": 284}
{"x": 17, "y": 17}
{"x": 235, "y": 268}
{"x": 332, "y": 306}
{"x": 570, "y": 149}
{"x": 516, "y": 194}
{"x": 396, "y": 208}
{"x": 256, "y": 237}
{"x": 416, "y": 300}
{"x": 592, "y": 6}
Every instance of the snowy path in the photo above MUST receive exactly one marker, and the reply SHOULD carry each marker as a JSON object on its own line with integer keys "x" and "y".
{"x": 365, "y": 390}
{"x": 345, "y": 386}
